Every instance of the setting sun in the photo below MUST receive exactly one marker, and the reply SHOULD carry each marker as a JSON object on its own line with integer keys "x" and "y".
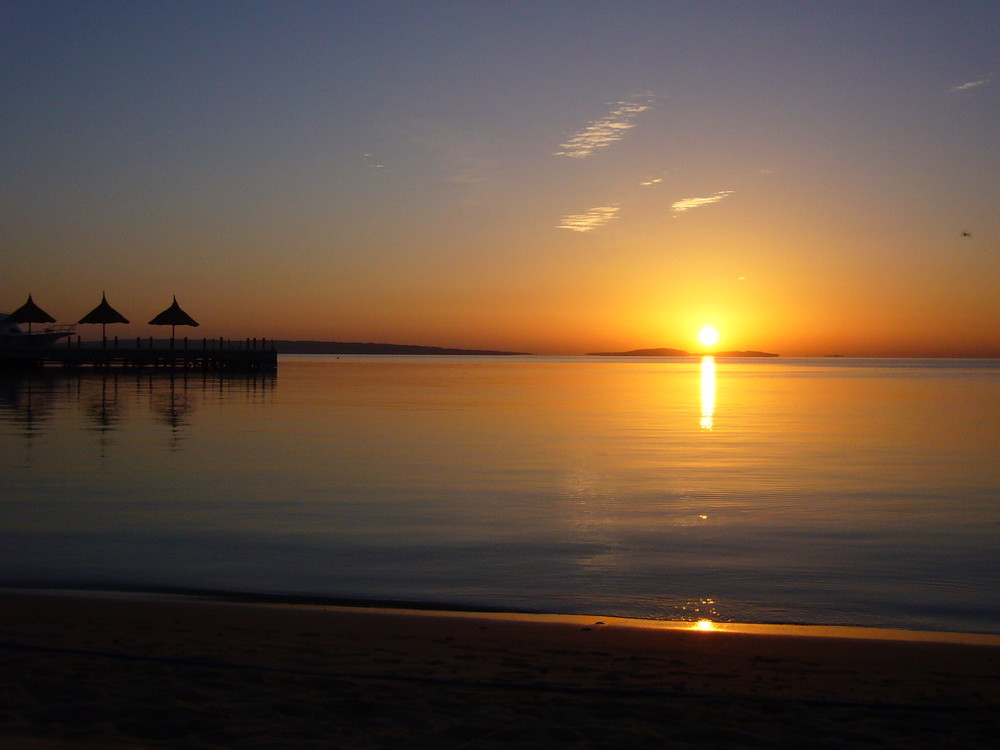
{"x": 708, "y": 336}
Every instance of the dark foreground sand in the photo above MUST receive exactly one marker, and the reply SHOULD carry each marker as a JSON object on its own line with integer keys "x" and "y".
{"x": 127, "y": 672}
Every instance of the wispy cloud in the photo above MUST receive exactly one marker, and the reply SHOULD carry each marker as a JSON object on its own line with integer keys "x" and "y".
{"x": 650, "y": 183}
{"x": 603, "y": 132}
{"x": 466, "y": 167}
{"x": 594, "y": 219}
{"x": 973, "y": 84}
{"x": 456, "y": 158}
{"x": 689, "y": 203}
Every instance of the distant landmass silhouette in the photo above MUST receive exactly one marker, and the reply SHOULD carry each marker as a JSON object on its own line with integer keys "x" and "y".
{"x": 664, "y": 352}
{"x": 644, "y": 353}
{"x": 747, "y": 353}
{"x": 283, "y": 346}
{"x": 341, "y": 347}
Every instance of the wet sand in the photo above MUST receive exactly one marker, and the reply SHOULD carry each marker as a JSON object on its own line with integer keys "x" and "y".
{"x": 100, "y": 670}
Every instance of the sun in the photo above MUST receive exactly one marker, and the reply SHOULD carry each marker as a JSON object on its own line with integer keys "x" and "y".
{"x": 708, "y": 336}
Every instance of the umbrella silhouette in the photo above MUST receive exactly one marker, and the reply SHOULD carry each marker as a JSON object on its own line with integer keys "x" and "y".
{"x": 173, "y": 316}
{"x": 103, "y": 314}
{"x": 30, "y": 313}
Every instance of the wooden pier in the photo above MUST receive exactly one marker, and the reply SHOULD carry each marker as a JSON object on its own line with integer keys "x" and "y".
{"x": 208, "y": 354}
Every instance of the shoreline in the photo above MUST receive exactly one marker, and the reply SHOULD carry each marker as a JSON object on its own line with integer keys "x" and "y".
{"x": 415, "y": 607}
{"x": 444, "y": 609}
{"x": 127, "y": 670}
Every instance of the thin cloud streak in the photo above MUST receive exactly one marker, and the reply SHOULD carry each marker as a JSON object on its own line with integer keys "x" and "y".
{"x": 686, "y": 204}
{"x": 973, "y": 84}
{"x": 607, "y": 130}
{"x": 593, "y": 219}
{"x": 372, "y": 163}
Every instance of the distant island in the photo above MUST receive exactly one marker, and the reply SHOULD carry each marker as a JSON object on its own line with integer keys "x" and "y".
{"x": 343, "y": 347}
{"x": 340, "y": 347}
{"x": 663, "y": 352}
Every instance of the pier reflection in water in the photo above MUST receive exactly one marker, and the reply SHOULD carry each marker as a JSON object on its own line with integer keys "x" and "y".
{"x": 56, "y": 404}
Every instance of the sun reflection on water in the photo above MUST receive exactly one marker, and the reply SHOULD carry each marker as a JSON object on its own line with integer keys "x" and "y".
{"x": 707, "y": 393}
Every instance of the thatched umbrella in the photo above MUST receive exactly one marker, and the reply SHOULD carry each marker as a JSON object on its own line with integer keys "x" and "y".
{"x": 104, "y": 314}
{"x": 173, "y": 316}
{"x": 30, "y": 313}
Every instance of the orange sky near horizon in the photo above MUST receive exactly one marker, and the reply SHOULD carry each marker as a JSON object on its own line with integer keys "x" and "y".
{"x": 810, "y": 180}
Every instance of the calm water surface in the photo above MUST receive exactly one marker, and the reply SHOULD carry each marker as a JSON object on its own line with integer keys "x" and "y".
{"x": 860, "y": 492}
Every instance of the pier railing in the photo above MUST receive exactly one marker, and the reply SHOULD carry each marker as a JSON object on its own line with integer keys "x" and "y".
{"x": 209, "y": 354}
{"x": 183, "y": 344}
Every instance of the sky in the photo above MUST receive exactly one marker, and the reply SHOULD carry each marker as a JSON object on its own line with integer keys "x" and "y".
{"x": 809, "y": 177}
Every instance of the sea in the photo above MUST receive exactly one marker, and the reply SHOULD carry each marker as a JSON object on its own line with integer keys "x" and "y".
{"x": 812, "y": 491}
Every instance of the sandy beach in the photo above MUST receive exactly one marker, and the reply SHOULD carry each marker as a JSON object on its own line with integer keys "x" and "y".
{"x": 103, "y": 670}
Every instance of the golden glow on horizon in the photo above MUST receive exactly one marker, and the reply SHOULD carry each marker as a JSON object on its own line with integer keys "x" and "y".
{"x": 707, "y": 393}
{"x": 704, "y": 625}
{"x": 708, "y": 336}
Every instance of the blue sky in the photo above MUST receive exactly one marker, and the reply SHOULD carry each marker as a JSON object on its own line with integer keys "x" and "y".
{"x": 552, "y": 177}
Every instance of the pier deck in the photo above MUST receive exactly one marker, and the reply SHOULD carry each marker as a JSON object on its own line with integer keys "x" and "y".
{"x": 205, "y": 355}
